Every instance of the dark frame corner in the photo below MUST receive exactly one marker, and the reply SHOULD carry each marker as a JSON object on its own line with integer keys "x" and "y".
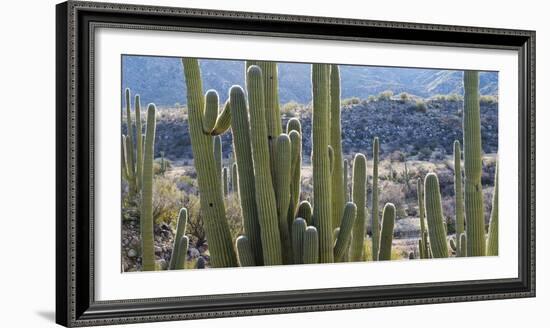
{"x": 75, "y": 304}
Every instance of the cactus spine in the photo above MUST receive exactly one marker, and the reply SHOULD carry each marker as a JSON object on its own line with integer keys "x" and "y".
{"x": 422, "y": 218}
{"x": 320, "y": 161}
{"x": 375, "y": 224}
{"x": 242, "y": 147}
{"x": 386, "y": 236}
{"x": 265, "y": 195}
{"x": 146, "y": 218}
{"x": 344, "y": 235}
{"x": 305, "y": 211}
{"x": 244, "y": 251}
{"x": 338, "y": 187}
{"x": 475, "y": 222}
{"x": 434, "y": 213}
{"x": 298, "y": 230}
{"x": 459, "y": 199}
{"x": 492, "y": 241}
{"x": 211, "y": 198}
{"x": 180, "y": 232}
{"x": 282, "y": 192}
{"x": 359, "y": 193}
{"x": 311, "y": 246}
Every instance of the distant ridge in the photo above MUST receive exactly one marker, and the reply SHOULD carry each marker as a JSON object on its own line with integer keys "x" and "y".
{"x": 160, "y": 80}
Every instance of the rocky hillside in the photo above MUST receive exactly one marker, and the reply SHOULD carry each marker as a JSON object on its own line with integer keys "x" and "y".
{"x": 160, "y": 80}
{"x": 418, "y": 129}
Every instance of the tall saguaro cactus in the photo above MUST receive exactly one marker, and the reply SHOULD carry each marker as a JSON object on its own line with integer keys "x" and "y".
{"x": 242, "y": 147}
{"x": 338, "y": 188}
{"x": 146, "y": 218}
{"x": 492, "y": 240}
{"x": 359, "y": 194}
{"x": 436, "y": 225}
{"x": 265, "y": 195}
{"x": 386, "y": 236}
{"x": 178, "y": 247}
{"x": 218, "y": 155}
{"x": 139, "y": 142}
{"x": 475, "y": 221}
{"x": 375, "y": 223}
{"x": 296, "y": 172}
{"x": 211, "y": 197}
{"x": 311, "y": 246}
{"x": 320, "y": 159}
{"x": 130, "y": 156}
{"x": 459, "y": 199}
{"x": 282, "y": 192}
{"x": 344, "y": 235}
{"x": 422, "y": 218}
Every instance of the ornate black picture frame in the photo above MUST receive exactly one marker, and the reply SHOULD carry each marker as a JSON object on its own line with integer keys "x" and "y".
{"x": 75, "y": 301}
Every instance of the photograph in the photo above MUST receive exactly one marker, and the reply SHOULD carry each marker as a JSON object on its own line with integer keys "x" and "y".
{"x": 230, "y": 163}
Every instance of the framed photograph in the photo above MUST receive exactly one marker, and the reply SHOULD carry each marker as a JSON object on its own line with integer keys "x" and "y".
{"x": 214, "y": 163}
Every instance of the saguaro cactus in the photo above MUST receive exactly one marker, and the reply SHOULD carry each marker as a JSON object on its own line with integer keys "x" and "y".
{"x": 296, "y": 172}
{"x": 218, "y": 155}
{"x": 338, "y": 188}
{"x": 305, "y": 211}
{"x": 244, "y": 251}
{"x": 242, "y": 147}
{"x": 492, "y": 240}
{"x": 311, "y": 246}
{"x": 475, "y": 222}
{"x": 436, "y": 225}
{"x": 344, "y": 235}
{"x": 346, "y": 186}
{"x": 146, "y": 218}
{"x": 459, "y": 199}
{"x": 130, "y": 156}
{"x": 375, "y": 223}
{"x": 422, "y": 218}
{"x": 359, "y": 192}
{"x": 181, "y": 255}
{"x": 180, "y": 232}
{"x": 386, "y": 237}
{"x": 298, "y": 230}
{"x": 265, "y": 195}
{"x": 282, "y": 192}
{"x": 234, "y": 179}
{"x": 225, "y": 178}
{"x": 211, "y": 197}
{"x": 320, "y": 160}
{"x": 139, "y": 142}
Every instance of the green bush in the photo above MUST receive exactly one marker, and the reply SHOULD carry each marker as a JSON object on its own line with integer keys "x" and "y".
{"x": 351, "y": 101}
{"x": 385, "y": 95}
{"x": 167, "y": 200}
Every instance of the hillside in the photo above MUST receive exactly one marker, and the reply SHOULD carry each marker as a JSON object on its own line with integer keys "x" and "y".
{"x": 160, "y": 80}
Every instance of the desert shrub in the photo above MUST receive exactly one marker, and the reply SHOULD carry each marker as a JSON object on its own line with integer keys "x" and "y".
{"x": 393, "y": 193}
{"x": 454, "y": 97}
{"x": 438, "y": 155}
{"x": 420, "y": 106}
{"x": 424, "y": 153}
{"x": 397, "y": 156}
{"x": 371, "y": 98}
{"x": 290, "y": 108}
{"x": 385, "y": 95}
{"x": 404, "y": 97}
{"x": 367, "y": 254}
{"x": 167, "y": 200}
{"x": 488, "y": 99}
{"x": 351, "y": 101}
{"x": 195, "y": 224}
{"x": 234, "y": 215}
{"x": 157, "y": 167}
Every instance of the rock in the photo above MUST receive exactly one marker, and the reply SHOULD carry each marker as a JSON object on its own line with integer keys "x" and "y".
{"x": 158, "y": 250}
{"x": 132, "y": 253}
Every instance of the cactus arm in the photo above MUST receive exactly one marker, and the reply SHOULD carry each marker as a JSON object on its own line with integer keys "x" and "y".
{"x": 282, "y": 192}
{"x": 240, "y": 127}
{"x": 305, "y": 211}
{"x": 130, "y": 146}
{"x": 345, "y": 182}
{"x": 422, "y": 216}
{"x": 492, "y": 241}
{"x": 386, "y": 236}
{"x": 244, "y": 251}
{"x": 183, "y": 246}
{"x": 210, "y": 111}
{"x": 225, "y": 178}
{"x": 265, "y": 195}
{"x": 463, "y": 245}
{"x": 293, "y": 125}
{"x": 180, "y": 232}
{"x": 311, "y": 246}
{"x": 124, "y": 159}
{"x": 331, "y": 160}
{"x": 338, "y": 188}
{"x": 434, "y": 213}
{"x": 473, "y": 200}
{"x": 459, "y": 198}
{"x": 359, "y": 189}
{"x": 344, "y": 235}
{"x": 375, "y": 222}
{"x": 296, "y": 173}
{"x": 234, "y": 179}
{"x": 223, "y": 122}
{"x": 421, "y": 249}
{"x": 320, "y": 161}
{"x": 211, "y": 199}
{"x": 298, "y": 229}
{"x": 139, "y": 142}
{"x": 146, "y": 217}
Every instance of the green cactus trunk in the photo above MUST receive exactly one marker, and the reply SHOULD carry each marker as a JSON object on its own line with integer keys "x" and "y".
{"x": 463, "y": 245}
{"x": 375, "y": 216}
{"x": 305, "y": 211}
{"x": 208, "y": 176}
{"x": 225, "y": 181}
{"x": 344, "y": 235}
{"x": 359, "y": 194}
{"x": 386, "y": 237}
{"x": 218, "y": 156}
{"x": 434, "y": 213}
{"x": 475, "y": 219}
{"x": 130, "y": 156}
{"x": 422, "y": 218}
{"x": 244, "y": 251}
{"x": 282, "y": 192}
{"x": 296, "y": 173}
{"x": 242, "y": 147}
{"x": 180, "y": 232}
{"x": 293, "y": 125}
{"x": 234, "y": 179}
{"x": 265, "y": 195}
{"x": 298, "y": 230}
{"x": 183, "y": 246}
{"x": 338, "y": 187}
{"x": 210, "y": 111}
{"x": 492, "y": 241}
{"x": 139, "y": 143}
{"x": 320, "y": 161}
{"x": 346, "y": 186}
{"x": 311, "y": 246}
{"x": 146, "y": 218}
{"x": 459, "y": 198}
